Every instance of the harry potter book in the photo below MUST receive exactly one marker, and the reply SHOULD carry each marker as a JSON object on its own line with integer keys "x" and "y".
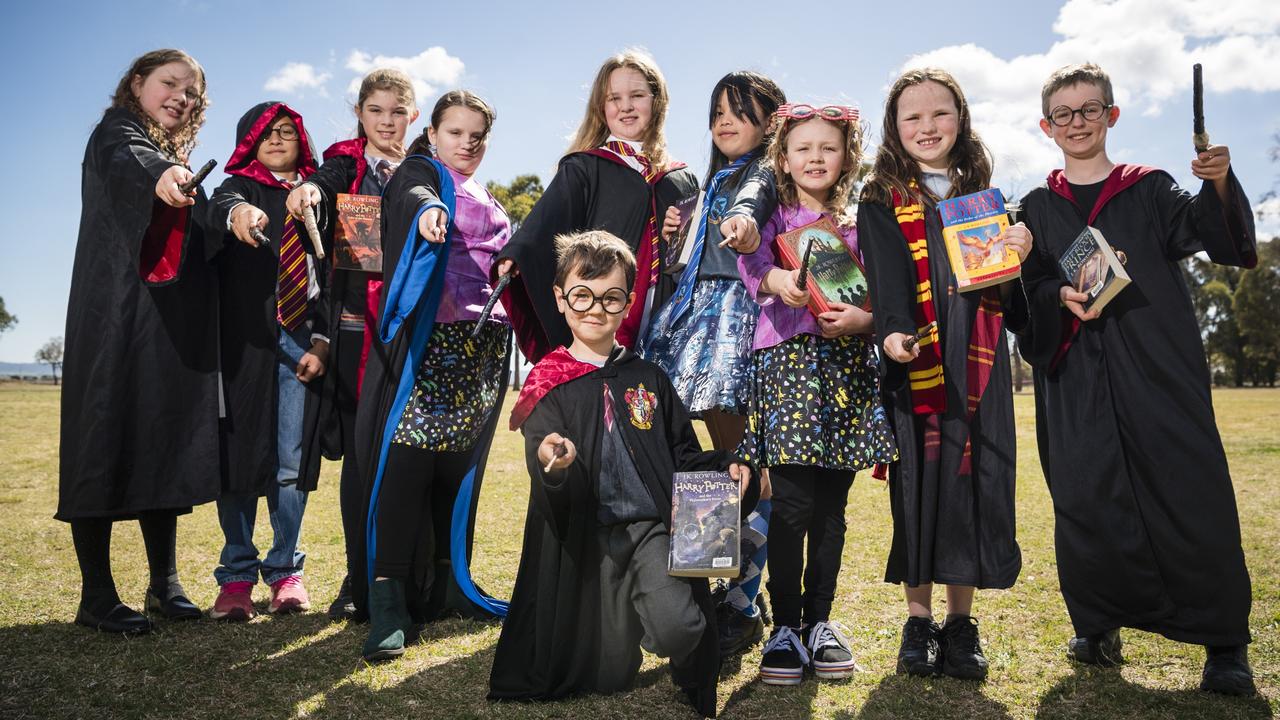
{"x": 705, "y": 525}
{"x": 970, "y": 226}
{"x": 357, "y": 239}
{"x": 1094, "y": 268}
{"x": 834, "y": 274}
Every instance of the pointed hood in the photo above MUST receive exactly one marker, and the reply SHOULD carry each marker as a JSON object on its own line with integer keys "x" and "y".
{"x": 252, "y": 126}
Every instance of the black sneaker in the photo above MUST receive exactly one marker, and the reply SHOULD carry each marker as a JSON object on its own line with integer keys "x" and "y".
{"x": 1101, "y": 650}
{"x": 738, "y": 633}
{"x": 784, "y": 658}
{"x": 343, "y": 607}
{"x": 829, "y": 648}
{"x": 918, "y": 655}
{"x": 961, "y": 650}
{"x": 1227, "y": 671}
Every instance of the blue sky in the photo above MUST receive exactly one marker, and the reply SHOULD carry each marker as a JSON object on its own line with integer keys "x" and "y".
{"x": 534, "y": 61}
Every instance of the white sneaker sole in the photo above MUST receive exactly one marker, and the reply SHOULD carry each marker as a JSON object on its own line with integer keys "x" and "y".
{"x": 781, "y": 676}
{"x": 835, "y": 671}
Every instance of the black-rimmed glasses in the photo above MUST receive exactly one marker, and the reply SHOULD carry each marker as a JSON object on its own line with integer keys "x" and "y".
{"x": 1092, "y": 110}
{"x": 286, "y": 132}
{"x": 581, "y": 299}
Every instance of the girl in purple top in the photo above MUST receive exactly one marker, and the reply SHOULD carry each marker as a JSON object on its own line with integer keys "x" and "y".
{"x": 447, "y": 422}
{"x": 815, "y": 414}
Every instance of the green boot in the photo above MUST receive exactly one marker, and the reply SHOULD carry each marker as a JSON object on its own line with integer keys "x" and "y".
{"x": 388, "y": 619}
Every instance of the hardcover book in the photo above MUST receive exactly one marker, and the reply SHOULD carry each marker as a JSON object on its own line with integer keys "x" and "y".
{"x": 357, "y": 239}
{"x": 705, "y": 525}
{"x": 970, "y": 224}
{"x": 1094, "y": 268}
{"x": 835, "y": 274}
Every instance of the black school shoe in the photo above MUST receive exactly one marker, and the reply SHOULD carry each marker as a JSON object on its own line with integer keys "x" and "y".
{"x": 171, "y": 604}
{"x": 918, "y": 654}
{"x": 737, "y": 632}
{"x": 1227, "y": 671}
{"x": 1101, "y": 650}
{"x": 962, "y": 650}
{"x": 120, "y": 619}
{"x": 343, "y": 607}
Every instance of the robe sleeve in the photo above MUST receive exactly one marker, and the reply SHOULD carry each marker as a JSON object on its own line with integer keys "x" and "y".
{"x": 130, "y": 165}
{"x": 892, "y": 279}
{"x": 226, "y": 197}
{"x": 757, "y": 195}
{"x": 1048, "y": 324}
{"x": 333, "y": 177}
{"x": 559, "y": 494}
{"x": 1202, "y": 222}
{"x": 411, "y": 190}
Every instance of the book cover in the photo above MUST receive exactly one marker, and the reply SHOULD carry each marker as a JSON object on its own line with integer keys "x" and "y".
{"x": 970, "y": 224}
{"x": 835, "y": 274}
{"x": 1094, "y": 268}
{"x": 680, "y": 246}
{"x": 357, "y": 239}
{"x": 705, "y": 525}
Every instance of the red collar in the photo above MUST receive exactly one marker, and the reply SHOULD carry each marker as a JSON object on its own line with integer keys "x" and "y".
{"x": 353, "y": 148}
{"x": 243, "y": 161}
{"x": 555, "y": 369}
{"x": 615, "y": 158}
{"x": 1121, "y": 178}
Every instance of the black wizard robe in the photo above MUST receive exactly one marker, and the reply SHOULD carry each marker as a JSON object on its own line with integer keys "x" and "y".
{"x": 1146, "y": 530}
{"x": 140, "y": 375}
{"x": 589, "y": 192}
{"x": 414, "y": 270}
{"x": 947, "y": 528}
{"x": 553, "y": 636}
{"x": 248, "y": 328}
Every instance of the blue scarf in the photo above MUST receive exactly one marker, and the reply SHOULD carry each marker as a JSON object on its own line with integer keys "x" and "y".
{"x": 416, "y": 287}
{"x": 684, "y": 291}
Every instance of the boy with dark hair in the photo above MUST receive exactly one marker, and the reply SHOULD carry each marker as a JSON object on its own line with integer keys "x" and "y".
{"x": 1147, "y": 533}
{"x": 604, "y": 433}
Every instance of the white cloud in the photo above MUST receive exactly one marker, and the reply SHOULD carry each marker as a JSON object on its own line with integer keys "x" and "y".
{"x": 1267, "y": 218}
{"x": 1147, "y": 46}
{"x": 429, "y": 69}
{"x": 295, "y": 77}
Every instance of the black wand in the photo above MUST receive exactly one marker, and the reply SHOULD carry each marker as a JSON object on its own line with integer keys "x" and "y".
{"x": 1199, "y": 137}
{"x": 501, "y": 285}
{"x": 259, "y": 237}
{"x": 802, "y": 280}
{"x": 924, "y": 333}
{"x": 198, "y": 178}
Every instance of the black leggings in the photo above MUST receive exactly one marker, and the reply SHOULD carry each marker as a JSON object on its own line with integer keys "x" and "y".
{"x": 351, "y": 490}
{"x": 806, "y": 501}
{"x": 415, "y": 507}
{"x": 92, "y": 539}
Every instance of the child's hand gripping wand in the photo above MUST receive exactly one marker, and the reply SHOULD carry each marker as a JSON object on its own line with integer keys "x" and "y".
{"x": 924, "y": 333}
{"x": 198, "y": 178}
{"x": 501, "y": 285}
{"x": 1199, "y": 136}
{"x": 259, "y": 237}
{"x": 560, "y": 451}
{"x": 313, "y": 232}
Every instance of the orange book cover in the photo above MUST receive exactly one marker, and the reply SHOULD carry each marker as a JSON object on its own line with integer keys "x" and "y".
{"x": 357, "y": 239}
{"x": 835, "y": 274}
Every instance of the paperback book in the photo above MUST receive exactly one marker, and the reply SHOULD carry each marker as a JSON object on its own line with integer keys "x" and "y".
{"x": 357, "y": 239}
{"x": 1094, "y": 268}
{"x": 705, "y": 525}
{"x": 971, "y": 225}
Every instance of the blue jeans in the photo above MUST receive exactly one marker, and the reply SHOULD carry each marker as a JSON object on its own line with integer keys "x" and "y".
{"x": 285, "y": 502}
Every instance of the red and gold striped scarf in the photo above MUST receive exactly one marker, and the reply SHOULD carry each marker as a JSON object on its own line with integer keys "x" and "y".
{"x": 928, "y": 389}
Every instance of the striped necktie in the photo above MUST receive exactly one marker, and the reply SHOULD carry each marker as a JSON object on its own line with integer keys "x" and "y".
{"x": 684, "y": 291}
{"x": 625, "y": 150}
{"x": 291, "y": 278}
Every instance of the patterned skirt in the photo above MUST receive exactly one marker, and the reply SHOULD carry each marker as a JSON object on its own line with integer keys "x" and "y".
{"x": 707, "y": 352}
{"x": 456, "y": 388}
{"x": 816, "y": 401}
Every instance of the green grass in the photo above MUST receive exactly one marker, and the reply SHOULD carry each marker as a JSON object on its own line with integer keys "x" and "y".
{"x": 303, "y": 666}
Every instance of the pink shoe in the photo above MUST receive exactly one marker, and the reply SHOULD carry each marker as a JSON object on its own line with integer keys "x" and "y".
{"x": 288, "y": 596}
{"x": 235, "y": 603}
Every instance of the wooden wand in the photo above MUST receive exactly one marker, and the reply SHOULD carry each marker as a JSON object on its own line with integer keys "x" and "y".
{"x": 924, "y": 333}
{"x": 501, "y": 285}
{"x": 803, "y": 280}
{"x": 313, "y": 232}
{"x": 560, "y": 451}
{"x": 186, "y": 187}
{"x": 1199, "y": 136}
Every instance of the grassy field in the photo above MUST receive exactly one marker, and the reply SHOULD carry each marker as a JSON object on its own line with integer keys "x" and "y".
{"x": 303, "y": 666}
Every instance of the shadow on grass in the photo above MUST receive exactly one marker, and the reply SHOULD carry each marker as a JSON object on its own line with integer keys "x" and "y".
{"x": 901, "y": 696}
{"x": 196, "y": 669}
{"x": 1091, "y": 692}
{"x": 758, "y": 699}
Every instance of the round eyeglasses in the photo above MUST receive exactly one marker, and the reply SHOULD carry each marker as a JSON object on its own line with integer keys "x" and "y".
{"x": 581, "y": 299}
{"x": 286, "y": 133}
{"x": 1092, "y": 110}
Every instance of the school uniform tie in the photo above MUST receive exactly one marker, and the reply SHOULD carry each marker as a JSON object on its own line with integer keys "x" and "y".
{"x": 689, "y": 277}
{"x": 291, "y": 278}
{"x": 625, "y": 150}
{"x": 649, "y": 254}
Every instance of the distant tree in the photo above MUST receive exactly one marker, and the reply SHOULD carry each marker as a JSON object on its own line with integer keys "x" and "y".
{"x": 51, "y": 354}
{"x": 517, "y": 198}
{"x": 1213, "y": 288}
{"x": 1255, "y": 304}
{"x": 7, "y": 321}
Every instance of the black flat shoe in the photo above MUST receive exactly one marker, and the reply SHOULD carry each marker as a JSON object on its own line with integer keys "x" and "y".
{"x": 1101, "y": 650}
{"x": 737, "y": 632}
{"x": 174, "y": 607}
{"x": 1227, "y": 671}
{"x": 919, "y": 654}
{"x": 121, "y": 620}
